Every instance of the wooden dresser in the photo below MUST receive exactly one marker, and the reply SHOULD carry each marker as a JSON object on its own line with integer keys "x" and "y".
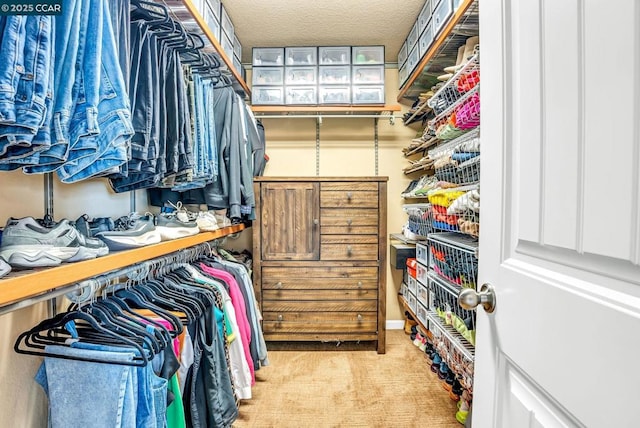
{"x": 319, "y": 248}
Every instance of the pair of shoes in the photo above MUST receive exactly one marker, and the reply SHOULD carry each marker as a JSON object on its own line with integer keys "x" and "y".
{"x": 29, "y": 243}
{"x": 132, "y": 231}
{"x": 463, "y": 412}
{"x": 436, "y": 361}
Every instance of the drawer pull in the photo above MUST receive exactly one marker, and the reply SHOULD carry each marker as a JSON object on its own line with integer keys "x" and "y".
{"x": 349, "y": 221}
{"x": 316, "y": 221}
{"x": 349, "y": 251}
{"x": 359, "y": 318}
{"x": 279, "y": 318}
{"x": 349, "y": 195}
{"x": 359, "y": 284}
{"x": 279, "y": 285}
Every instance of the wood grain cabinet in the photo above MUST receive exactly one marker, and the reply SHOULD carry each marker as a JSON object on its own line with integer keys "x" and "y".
{"x": 320, "y": 258}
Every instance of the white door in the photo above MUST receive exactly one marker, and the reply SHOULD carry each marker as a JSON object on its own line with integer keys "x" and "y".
{"x": 560, "y": 237}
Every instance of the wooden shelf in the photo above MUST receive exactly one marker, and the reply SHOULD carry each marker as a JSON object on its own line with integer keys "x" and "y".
{"x": 326, "y": 109}
{"x": 192, "y": 13}
{"x": 443, "y": 50}
{"x": 29, "y": 283}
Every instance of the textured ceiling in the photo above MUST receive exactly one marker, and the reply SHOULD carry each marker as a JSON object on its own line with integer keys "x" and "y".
{"x": 279, "y": 23}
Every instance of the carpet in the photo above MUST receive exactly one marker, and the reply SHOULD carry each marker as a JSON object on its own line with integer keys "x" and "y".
{"x": 348, "y": 388}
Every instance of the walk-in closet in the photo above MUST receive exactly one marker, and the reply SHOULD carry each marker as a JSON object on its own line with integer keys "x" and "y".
{"x": 229, "y": 213}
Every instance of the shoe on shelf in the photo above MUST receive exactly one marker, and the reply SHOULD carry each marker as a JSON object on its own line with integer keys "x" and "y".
{"x": 132, "y": 231}
{"x": 5, "y": 268}
{"x": 173, "y": 226}
{"x": 27, "y": 244}
{"x": 90, "y": 248}
{"x": 221, "y": 217}
{"x": 207, "y": 221}
{"x": 91, "y": 227}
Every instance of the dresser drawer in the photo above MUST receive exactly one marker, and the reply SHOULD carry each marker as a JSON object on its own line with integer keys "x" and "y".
{"x": 349, "y": 247}
{"x": 319, "y": 295}
{"x": 335, "y": 221}
{"x": 325, "y": 277}
{"x": 348, "y": 194}
{"x": 320, "y": 306}
{"x": 314, "y": 322}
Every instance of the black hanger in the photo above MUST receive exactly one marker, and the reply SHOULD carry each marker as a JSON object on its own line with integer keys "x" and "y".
{"x": 25, "y": 345}
{"x": 132, "y": 297}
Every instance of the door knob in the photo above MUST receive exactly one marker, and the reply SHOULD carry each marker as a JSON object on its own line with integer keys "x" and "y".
{"x": 470, "y": 299}
{"x": 349, "y": 195}
{"x": 279, "y": 284}
{"x": 280, "y": 317}
{"x": 349, "y": 251}
{"x": 316, "y": 221}
{"x": 359, "y": 317}
{"x": 349, "y": 221}
{"x": 359, "y": 284}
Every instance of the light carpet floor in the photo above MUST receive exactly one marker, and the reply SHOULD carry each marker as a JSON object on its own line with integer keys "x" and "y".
{"x": 344, "y": 388}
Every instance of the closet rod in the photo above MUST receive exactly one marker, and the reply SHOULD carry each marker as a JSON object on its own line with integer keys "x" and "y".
{"x": 38, "y": 299}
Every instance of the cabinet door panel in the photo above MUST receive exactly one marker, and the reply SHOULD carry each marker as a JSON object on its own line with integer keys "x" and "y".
{"x": 289, "y": 215}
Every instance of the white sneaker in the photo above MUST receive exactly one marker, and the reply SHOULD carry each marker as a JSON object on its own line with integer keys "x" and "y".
{"x": 5, "y": 268}
{"x": 207, "y": 221}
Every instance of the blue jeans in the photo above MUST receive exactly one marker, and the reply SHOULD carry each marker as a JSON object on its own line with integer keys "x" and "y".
{"x": 24, "y": 130}
{"x": 70, "y": 384}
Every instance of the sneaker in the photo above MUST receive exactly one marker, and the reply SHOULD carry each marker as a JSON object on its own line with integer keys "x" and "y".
{"x": 221, "y": 218}
{"x": 5, "y": 268}
{"x": 132, "y": 231}
{"x": 171, "y": 226}
{"x": 90, "y": 228}
{"x": 89, "y": 248}
{"x": 25, "y": 243}
{"x": 207, "y": 221}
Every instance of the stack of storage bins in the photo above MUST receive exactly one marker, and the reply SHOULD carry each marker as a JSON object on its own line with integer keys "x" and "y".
{"x": 325, "y": 75}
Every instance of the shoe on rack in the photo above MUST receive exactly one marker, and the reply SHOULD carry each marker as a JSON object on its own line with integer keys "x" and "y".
{"x": 172, "y": 226}
{"x": 132, "y": 231}
{"x": 221, "y": 217}
{"x": 5, "y": 268}
{"x": 89, "y": 248}
{"x": 25, "y": 243}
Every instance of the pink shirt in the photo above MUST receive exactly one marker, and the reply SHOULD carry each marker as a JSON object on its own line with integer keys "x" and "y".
{"x": 237, "y": 300}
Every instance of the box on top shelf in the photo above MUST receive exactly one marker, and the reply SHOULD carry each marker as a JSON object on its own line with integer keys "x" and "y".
{"x": 425, "y": 16}
{"x": 426, "y": 39}
{"x": 334, "y": 94}
{"x": 225, "y": 22}
{"x": 367, "y": 55}
{"x": 413, "y": 59}
{"x": 330, "y": 75}
{"x": 296, "y": 95}
{"x": 268, "y": 57}
{"x": 270, "y": 95}
{"x": 441, "y": 15}
{"x": 227, "y": 45}
{"x": 403, "y": 74}
{"x": 301, "y": 75}
{"x": 412, "y": 38}
{"x": 367, "y": 74}
{"x": 237, "y": 65}
{"x": 212, "y": 22}
{"x": 215, "y": 6}
{"x": 334, "y": 55}
{"x": 402, "y": 54}
{"x": 268, "y": 76}
{"x": 301, "y": 55}
{"x": 370, "y": 94}
{"x": 237, "y": 46}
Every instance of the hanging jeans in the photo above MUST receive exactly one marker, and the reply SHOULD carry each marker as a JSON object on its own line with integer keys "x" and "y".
{"x": 70, "y": 383}
{"x": 26, "y": 82}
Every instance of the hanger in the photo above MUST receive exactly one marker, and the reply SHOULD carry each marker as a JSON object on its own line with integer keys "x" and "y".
{"x": 128, "y": 295}
{"x": 25, "y": 344}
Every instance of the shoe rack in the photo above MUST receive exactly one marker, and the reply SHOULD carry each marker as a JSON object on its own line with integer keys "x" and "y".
{"x": 443, "y": 222}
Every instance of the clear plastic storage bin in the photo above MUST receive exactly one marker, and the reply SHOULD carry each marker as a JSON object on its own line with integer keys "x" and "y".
{"x": 301, "y": 56}
{"x": 403, "y": 74}
{"x": 368, "y": 94}
{"x": 425, "y": 16}
{"x": 268, "y": 57}
{"x": 412, "y": 38}
{"x": 334, "y": 55}
{"x": 237, "y": 47}
{"x": 441, "y": 15}
{"x": 301, "y": 75}
{"x": 301, "y": 95}
{"x": 225, "y": 21}
{"x": 334, "y": 94}
{"x": 329, "y": 75}
{"x": 426, "y": 39}
{"x": 227, "y": 45}
{"x": 212, "y": 21}
{"x": 215, "y": 6}
{"x": 402, "y": 54}
{"x": 367, "y": 74}
{"x": 271, "y": 76}
{"x": 413, "y": 59}
{"x": 367, "y": 55}
{"x": 272, "y": 95}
